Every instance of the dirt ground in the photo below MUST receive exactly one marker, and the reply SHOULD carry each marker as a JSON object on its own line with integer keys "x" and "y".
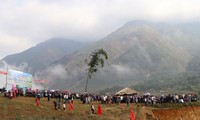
{"x": 183, "y": 113}
{"x": 24, "y": 108}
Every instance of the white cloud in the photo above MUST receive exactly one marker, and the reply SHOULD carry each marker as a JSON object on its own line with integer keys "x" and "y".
{"x": 29, "y": 22}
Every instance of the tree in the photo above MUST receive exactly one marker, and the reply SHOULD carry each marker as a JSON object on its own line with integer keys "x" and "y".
{"x": 96, "y": 60}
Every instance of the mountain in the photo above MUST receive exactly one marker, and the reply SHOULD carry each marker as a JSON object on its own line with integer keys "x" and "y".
{"x": 142, "y": 54}
{"x": 138, "y": 51}
{"x": 42, "y": 55}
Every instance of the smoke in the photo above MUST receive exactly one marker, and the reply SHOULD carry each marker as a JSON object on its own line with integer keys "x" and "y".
{"x": 24, "y": 67}
{"x": 53, "y": 74}
{"x": 58, "y": 71}
{"x": 121, "y": 69}
{"x": 3, "y": 64}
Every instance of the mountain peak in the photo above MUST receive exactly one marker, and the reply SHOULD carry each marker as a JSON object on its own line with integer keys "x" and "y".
{"x": 44, "y": 53}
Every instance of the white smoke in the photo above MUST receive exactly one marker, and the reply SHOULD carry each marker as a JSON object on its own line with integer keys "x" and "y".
{"x": 121, "y": 69}
{"x": 52, "y": 74}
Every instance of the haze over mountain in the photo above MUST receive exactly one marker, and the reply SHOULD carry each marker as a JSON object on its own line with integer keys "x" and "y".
{"x": 139, "y": 51}
{"x": 40, "y": 56}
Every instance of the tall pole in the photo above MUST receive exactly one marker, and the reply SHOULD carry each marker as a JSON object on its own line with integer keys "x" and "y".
{"x": 45, "y": 87}
{"x": 6, "y": 77}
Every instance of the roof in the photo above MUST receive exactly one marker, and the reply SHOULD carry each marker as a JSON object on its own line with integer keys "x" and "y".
{"x": 127, "y": 91}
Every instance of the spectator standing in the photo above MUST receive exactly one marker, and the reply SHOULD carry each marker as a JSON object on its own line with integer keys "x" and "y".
{"x": 92, "y": 108}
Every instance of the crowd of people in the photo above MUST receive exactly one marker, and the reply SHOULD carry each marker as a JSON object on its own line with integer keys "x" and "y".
{"x": 66, "y": 96}
{"x": 60, "y": 98}
{"x": 147, "y": 99}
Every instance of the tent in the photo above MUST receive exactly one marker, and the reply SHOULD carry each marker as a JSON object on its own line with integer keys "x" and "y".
{"x": 126, "y": 91}
{"x": 147, "y": 94}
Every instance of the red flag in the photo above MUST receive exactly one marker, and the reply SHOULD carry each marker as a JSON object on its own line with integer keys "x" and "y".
{"x": 132, "y": 115}
{"x": 71, "y": 105}
{"x": 34, "y": 80}
{"x": 36, "y": 90}
{"x": 37, "y": 102}
{"x": 41, "y": 81}
{"x": 14, "y": 94}
{"x": 99, "y": 112}
{"x": 4, "y": 73}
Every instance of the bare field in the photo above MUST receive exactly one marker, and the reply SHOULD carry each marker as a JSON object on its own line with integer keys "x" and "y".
{"x": 183, "y": 113}
{"x": 24, "y": 108}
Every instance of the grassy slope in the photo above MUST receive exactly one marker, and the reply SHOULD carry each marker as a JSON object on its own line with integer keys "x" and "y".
{"x": 24, "y": 108}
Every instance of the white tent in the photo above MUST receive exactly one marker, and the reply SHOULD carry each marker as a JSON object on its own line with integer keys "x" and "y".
{"x": 147, "y": 93}
{"x": 126, "y": 91}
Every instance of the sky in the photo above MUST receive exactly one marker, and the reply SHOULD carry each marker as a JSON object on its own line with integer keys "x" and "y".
{"x": 26, "y": 23}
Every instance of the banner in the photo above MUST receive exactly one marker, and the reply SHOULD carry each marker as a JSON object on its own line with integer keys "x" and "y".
{"x": 4, "y": 73}
{"x": 21, "y": 79}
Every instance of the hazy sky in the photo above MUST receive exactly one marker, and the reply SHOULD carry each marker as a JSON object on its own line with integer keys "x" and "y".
{"x": 25, "y": 23}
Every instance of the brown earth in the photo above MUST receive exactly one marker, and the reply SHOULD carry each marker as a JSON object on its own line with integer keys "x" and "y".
{"x": 24, "y": 108}
{"x": 183, "y": 113}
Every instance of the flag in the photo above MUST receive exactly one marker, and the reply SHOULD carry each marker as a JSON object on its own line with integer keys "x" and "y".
{"x": 36, "y": 90}
{"x": 41, "y": 81}
{"x": 99, "y": 112}
{"x": 14, "y": 94}
{"x": 13, "y": 90}
{"x": 13, "y": 87}
{"x": 132, "y": 115}
{"x": 4, "y": 73}
{"x": 37, "y": 102}
{"x": 71, "y": 105}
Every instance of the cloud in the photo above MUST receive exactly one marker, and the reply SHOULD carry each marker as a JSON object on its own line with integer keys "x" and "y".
{"x": 31, "y": 22}
{"x": 11, "y": 44}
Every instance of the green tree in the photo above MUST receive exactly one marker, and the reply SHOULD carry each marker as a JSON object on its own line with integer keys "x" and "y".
{"x": 96, "y": 61}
